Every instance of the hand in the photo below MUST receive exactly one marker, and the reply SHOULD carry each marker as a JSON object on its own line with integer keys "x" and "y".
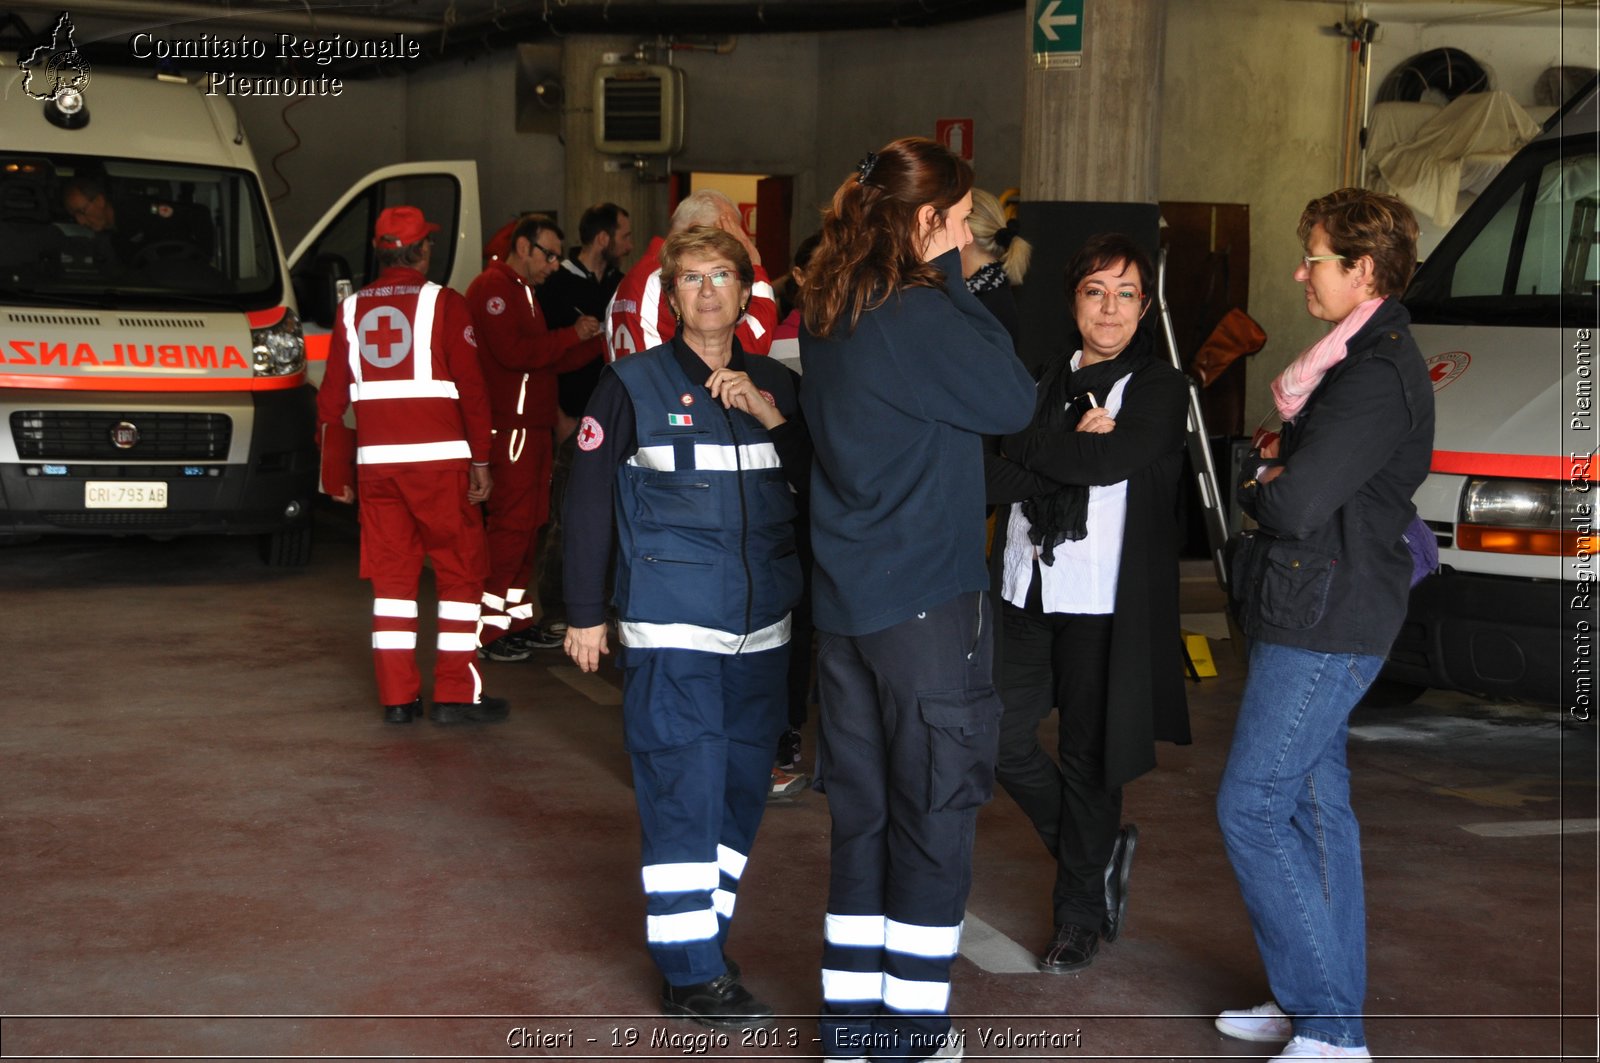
{"x": 1269, "y": 474}
{"x": 728, "y": 221}
{"x": 738, "y": 392}
{"x": 479, "y": 483}
{"x": 347, "y": 495}
{"x": 1097, "y": 420}
{"x": 585, "y": 645}
{"x": 588, "y": 327}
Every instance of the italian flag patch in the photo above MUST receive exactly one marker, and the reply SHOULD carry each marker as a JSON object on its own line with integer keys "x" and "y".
{"x": 680, "y": 420}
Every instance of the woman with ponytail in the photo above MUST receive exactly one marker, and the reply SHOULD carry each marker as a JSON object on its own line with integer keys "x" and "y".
{"x": 905, "y": 372}
{"x": 996, "y": 260}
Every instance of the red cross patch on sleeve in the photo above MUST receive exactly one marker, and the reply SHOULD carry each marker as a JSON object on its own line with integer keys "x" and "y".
{"x": 590, "y": 434}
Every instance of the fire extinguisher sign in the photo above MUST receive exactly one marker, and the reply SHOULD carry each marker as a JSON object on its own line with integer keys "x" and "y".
{"x": 955, "y": 134}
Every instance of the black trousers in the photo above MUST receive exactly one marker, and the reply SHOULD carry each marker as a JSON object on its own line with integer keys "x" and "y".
{"x": 1061, "y": 660}
{"x": 906, "y": 755}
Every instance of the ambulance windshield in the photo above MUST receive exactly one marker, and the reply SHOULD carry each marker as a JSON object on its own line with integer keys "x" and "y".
{"x": 87, "y": 231}
{"x": 1526, "y": 252}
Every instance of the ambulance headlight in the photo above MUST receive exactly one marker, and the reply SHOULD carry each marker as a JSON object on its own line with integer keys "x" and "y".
{"x": 279, "y": 349}
{"x": 1515, "y": 503}
{"x": 1541, "y": 518}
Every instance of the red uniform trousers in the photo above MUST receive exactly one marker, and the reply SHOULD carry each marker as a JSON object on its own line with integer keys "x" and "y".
{"x": 403, "y": 517}
{"x": 520, "y": 462}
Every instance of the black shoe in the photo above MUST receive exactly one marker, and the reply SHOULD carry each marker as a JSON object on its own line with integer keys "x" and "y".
{"x": 722, "y": 1004}
{"x": 489, "y": 710}
{"x": 731, "y": 967}
{"x": 505, "y": 648}
{"x": 789, "y": 750}
{"x": 1118, "y": 868}
{"x": 402, "y": 713}
{"x": 1072, "y": 950}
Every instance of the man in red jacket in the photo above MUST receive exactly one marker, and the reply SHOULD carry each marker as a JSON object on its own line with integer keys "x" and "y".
{"x": 404, "y": 357}
{"x": 521, "y": 357}
{"x": 638, "y": 317}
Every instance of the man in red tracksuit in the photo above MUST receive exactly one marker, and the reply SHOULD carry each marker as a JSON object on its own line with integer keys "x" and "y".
{"x": 521, "y": 357}
{"x": 638, "y": 317}
{"x": 403, "y": 354}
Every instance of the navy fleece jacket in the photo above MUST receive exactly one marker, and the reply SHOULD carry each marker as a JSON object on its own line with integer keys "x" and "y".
{"x": 897, "y": 410}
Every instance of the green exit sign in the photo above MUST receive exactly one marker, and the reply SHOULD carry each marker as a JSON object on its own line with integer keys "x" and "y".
{"x": 1057, "y": 26}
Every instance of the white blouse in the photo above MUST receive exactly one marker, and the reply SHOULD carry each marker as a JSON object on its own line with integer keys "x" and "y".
{"x": 1084, "y": 576}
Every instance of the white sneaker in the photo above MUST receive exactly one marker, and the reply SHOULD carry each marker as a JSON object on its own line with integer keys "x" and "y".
{"x": 1264, "y": 1022}
{"x": 955, "y": 1046}
{"x": 1306, "y": 1048}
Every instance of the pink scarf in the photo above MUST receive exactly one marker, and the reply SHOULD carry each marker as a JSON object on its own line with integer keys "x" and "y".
{"x": 1294, "y": 385}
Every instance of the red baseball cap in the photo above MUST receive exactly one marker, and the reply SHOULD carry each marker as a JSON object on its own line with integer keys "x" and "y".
{"x": 401, "y": 227}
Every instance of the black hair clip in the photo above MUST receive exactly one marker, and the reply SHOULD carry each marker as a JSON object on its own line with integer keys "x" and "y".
{"x": 864, "y": 167}
{"x": 1004, "y": 236}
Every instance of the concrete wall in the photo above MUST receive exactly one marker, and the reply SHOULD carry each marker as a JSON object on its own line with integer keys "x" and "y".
{"x": 322, "y": 145}
{"x": 1244, "y": 122}
{"x": 883, "y": 84}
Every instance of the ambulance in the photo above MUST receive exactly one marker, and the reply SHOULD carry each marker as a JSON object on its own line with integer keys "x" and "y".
{"x": 156, "y": 370}
{"x": 1504, "y": 311}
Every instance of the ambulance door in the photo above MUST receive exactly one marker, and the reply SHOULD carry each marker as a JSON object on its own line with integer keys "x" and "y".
{"x": 336, "y": 256}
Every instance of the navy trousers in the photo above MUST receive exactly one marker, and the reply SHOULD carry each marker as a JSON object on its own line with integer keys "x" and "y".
{"x": 906, "y": 754}
{"x": 701, "y": 728}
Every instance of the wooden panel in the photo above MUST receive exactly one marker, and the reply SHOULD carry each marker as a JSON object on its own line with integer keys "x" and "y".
{"x": 1208, "y": 274}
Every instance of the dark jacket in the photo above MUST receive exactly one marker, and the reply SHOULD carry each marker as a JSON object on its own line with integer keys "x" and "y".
{"x": 897, "y": 410}
{"x": 1145, "y": 698}
{"x": 1328, "y": 570}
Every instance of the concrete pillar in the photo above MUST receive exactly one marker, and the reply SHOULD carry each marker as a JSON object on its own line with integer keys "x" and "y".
{"x": 1090, "y": 152}
{"x": 588, "y": 180}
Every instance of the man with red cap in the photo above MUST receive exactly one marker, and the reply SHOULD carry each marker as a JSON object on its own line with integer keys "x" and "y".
{"x": 521, "y": 357}
{"x": 405, "y": 357}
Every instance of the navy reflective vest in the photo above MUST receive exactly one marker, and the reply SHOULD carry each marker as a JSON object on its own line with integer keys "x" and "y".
{"x": 705, "y": 519}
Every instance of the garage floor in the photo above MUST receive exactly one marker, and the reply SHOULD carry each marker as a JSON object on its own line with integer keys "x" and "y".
{"x": 211, "y": 847}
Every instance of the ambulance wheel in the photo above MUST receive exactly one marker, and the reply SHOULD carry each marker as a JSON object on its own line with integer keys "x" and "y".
{"x": 289, "y": 548}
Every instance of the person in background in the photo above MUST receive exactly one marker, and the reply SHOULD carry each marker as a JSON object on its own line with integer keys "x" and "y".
{"x": 905, "y": 371}
{"x": 701, "y": 452}
{"x": 787, "y": 776}
{"x": 521, "y": 357}
{"x": 584, "y": 284}
{"x": 995, "y": 261}
{"x": 639, "y": 316}
{"x": 1085, "y": 561}
{"x": 1320, "y": 588}
{"x": 403, "y": 355}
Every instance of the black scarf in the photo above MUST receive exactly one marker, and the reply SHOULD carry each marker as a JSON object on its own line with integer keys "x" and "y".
{"x": 1063, "y": 513}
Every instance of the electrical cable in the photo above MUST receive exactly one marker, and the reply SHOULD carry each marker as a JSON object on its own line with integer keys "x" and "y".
{"x": 1449, "y": 71}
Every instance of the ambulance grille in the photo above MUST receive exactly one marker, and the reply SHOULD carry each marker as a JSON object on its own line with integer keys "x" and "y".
{"x": 54, "y": 319}
{"x": 161, "y": 322}
{"x": 156, "y": 518}
{"x": 85, "y": 435}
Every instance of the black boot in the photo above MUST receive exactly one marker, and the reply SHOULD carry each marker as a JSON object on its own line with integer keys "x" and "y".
{"x": 722, "y": 1004}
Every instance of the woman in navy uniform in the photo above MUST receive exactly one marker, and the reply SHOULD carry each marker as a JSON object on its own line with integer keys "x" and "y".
{"x": 701, "y": 452}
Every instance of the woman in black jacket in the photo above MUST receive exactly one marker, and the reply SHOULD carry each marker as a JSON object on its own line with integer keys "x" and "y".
{"x": 1321, "y": 591}
{"x": 1085, "y": 561}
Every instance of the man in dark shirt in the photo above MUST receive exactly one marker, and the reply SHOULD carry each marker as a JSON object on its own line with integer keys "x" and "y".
{"x": 582, "y": 285}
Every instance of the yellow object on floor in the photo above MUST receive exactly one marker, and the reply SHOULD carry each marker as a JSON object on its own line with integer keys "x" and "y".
{"x": 1200, "y": 653}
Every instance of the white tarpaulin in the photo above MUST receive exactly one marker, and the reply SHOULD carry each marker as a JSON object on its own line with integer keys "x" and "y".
{"x": 1456, "y": 151}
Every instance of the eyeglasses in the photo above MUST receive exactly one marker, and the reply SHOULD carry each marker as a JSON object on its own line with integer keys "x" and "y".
{"x": 720, "y": 279}
{"x": 1094, "y": 293}
{"x": 1312, "y": 260}
{"x": 549, "y": 255}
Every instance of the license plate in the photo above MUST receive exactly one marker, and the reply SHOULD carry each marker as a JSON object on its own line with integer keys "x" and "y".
{"x": 117, "y": 494}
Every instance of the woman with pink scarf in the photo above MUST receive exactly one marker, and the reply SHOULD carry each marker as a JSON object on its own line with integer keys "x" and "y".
{"x": 1320, "y": 589}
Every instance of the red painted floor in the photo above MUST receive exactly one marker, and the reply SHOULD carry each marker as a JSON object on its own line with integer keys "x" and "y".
{"x": 211, "y": 848}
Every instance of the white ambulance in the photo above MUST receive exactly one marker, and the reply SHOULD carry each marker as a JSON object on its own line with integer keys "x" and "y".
{"x": 1504, "y": 311}
{"x": 153, "y": 365}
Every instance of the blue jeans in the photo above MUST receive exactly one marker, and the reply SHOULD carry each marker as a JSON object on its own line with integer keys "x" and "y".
{"x": 1284, "y": 808}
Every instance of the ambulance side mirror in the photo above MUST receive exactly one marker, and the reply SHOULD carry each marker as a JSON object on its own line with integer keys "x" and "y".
{"x": 320, "y": 286}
